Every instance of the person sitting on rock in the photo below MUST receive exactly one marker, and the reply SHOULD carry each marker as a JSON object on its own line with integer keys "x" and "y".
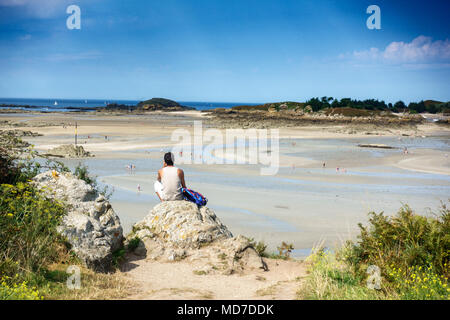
{"x": 170, "y": 180}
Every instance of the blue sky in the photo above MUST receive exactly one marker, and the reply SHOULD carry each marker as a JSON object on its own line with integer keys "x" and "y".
{"x": 232, "y": 51}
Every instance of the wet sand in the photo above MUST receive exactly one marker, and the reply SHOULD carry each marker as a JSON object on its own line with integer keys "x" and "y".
{"x": 302, "y": 204}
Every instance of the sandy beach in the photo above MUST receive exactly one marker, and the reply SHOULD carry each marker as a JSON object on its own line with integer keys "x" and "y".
{"x": 302, "y": 204}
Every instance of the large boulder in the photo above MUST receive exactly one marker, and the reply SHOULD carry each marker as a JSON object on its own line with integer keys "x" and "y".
{"x": 182, "y": 224}
{"x": 91, "y": 226}
{"x": 177, "y": 230}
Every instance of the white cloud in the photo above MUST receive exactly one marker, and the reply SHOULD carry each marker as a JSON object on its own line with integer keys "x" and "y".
{"x": 372, "y": 53}
{"x": 422, "y": 50}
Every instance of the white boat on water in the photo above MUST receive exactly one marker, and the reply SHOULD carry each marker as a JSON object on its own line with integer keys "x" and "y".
{"x": 56, "y": 103}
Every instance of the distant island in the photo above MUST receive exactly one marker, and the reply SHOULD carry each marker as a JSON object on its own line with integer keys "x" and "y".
{"x": 326, "y": 110}
{"x": 154, "y": 104}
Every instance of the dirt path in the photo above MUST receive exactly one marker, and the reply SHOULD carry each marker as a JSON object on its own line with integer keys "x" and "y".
{"x": 181, "y": 280}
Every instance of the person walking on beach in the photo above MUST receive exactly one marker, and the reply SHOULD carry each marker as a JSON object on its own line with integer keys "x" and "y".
{"x": 170, "y": 180}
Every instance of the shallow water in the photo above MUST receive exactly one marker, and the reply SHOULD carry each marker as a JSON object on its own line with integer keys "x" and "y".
{"x": 324, "y": 149}
{"x": 299, "y": 205}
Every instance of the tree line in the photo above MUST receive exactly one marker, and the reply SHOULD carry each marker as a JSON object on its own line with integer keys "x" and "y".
{"x": 429, "y": 106}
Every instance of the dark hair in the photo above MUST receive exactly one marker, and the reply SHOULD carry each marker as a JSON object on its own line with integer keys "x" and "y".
{"x": 168, "y": 158}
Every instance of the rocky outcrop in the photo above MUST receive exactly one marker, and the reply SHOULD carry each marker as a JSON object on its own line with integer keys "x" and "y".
{"x": 304, "y": 115}
{"x": 154, "y": 104}
{"x": 16, "y": 133}
{"x": 69, "y": 151}
{"x": 91, "y": 226}
{"x": 178, "y": 230}
{"x": 161, "y": 104}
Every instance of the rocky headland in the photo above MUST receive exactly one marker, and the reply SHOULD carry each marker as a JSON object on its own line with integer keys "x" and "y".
{"x": 288, "y": 115}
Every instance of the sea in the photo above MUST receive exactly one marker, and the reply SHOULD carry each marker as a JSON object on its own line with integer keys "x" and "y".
{"x": 67, "y": 105}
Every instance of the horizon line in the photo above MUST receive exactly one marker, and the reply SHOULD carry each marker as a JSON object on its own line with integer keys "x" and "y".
{"x": 205, "y": 101}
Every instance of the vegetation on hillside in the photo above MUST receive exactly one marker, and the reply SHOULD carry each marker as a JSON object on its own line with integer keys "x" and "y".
{"x": 33, "y": 255}
{"x": 373, "y": 104}
{"x": 330, "y": 103}
{"x": 160, "y": 101}
{"x": 406, "y": 256}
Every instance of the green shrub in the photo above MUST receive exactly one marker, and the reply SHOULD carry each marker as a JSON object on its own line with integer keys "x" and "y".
{"x": 28, "y": 221}
{"x": 284, "y": 250}
{"x": 404, "y": 240}
{"x": 82, "y": 173}
{"x": 30, "y": 246}
{"x": 133, "y": 243}
{"x": 411, "y": 252}
{"x": 331, "y": 279}
{"x": 259, "y": 246}
{"x": 118, "y": 256}
{"x": 10, "y": 290}
{"x": 418, "y": 283}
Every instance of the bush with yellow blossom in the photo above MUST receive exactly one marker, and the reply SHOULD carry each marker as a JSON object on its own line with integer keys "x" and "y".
{"x": 28, "y": 236}
{"x": 11, "y": 290}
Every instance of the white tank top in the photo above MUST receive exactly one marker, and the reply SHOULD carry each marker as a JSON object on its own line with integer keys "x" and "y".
{"x": 171, "y": 184}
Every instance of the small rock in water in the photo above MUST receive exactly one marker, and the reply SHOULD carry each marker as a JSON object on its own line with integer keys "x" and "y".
{"x": 69, "y": 151}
